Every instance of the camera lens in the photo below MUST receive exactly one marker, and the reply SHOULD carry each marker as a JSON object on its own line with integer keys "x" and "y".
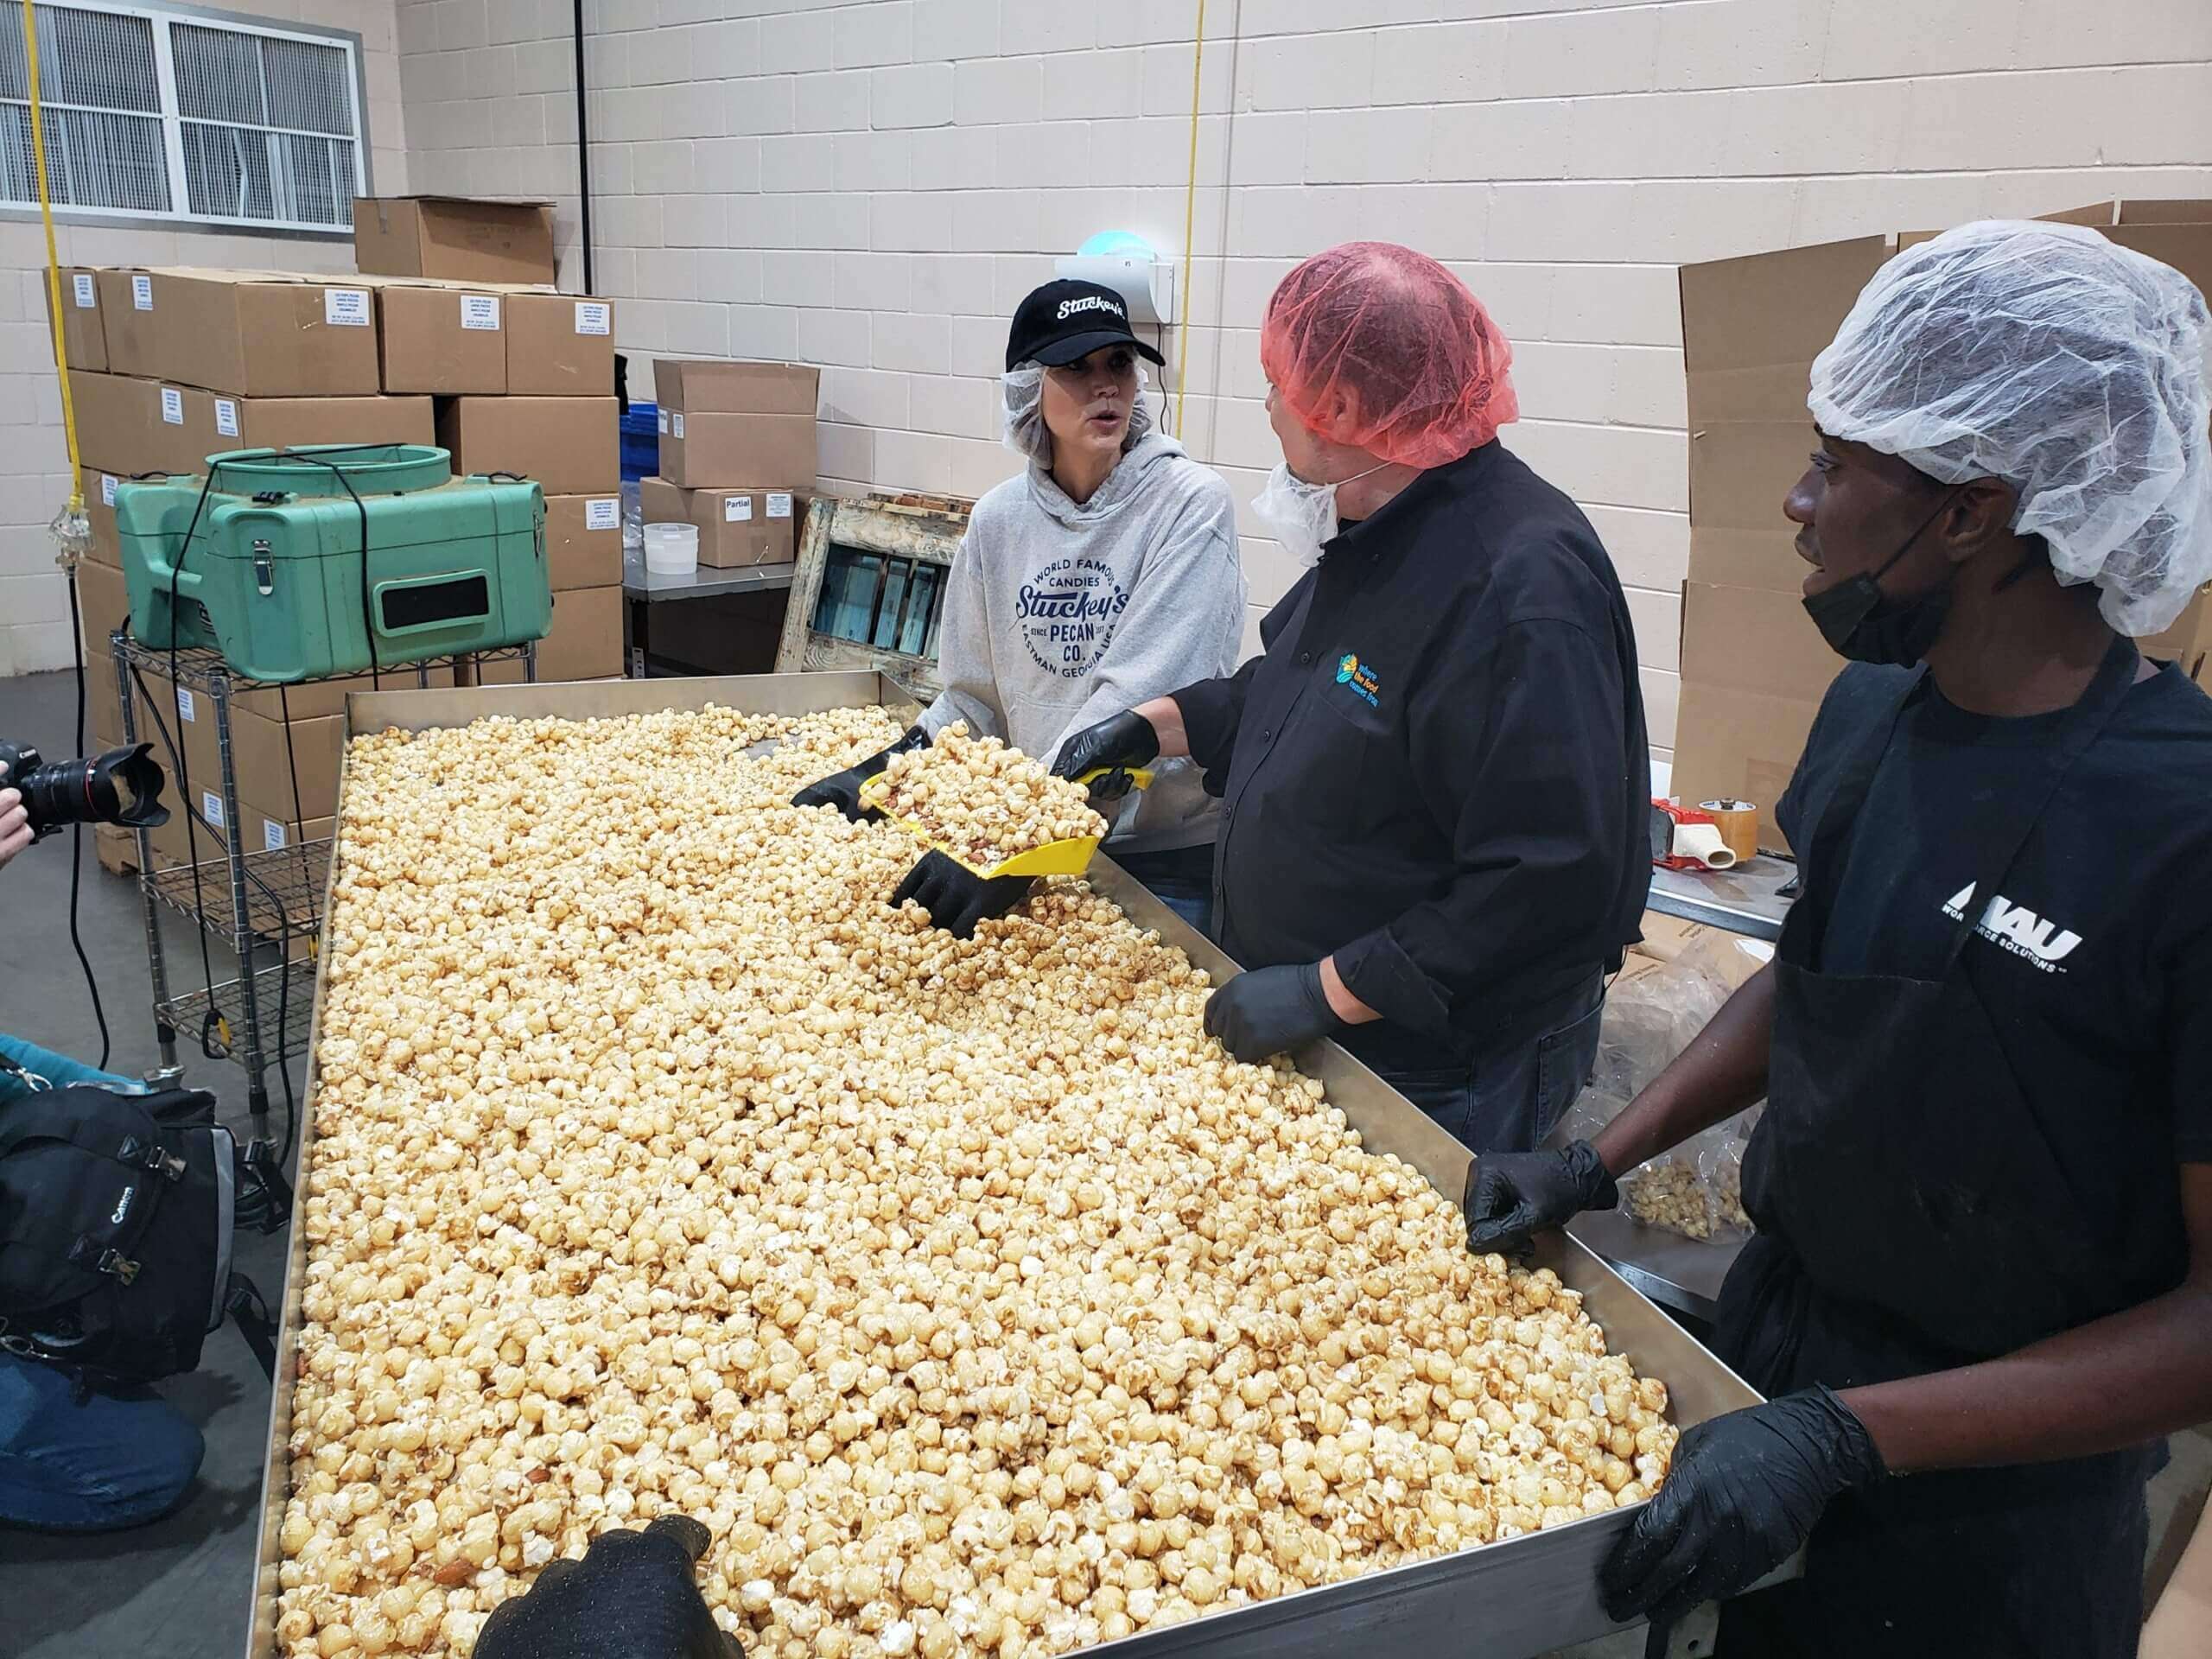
{"x": 121, "y": 786}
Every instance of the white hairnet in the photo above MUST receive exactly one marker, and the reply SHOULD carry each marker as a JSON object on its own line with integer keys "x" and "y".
{"x": 1022, "y": 413}
{"x": 2071, "y": 368}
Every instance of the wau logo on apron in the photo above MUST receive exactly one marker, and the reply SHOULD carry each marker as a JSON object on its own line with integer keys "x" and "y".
{"x": 2018, "y": 929}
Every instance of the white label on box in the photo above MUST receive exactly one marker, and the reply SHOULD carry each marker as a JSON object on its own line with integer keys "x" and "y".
{"x": 346, "y": 307}
{"x": 779, "y": 507}
{"x": 594, "y": 317}
{"x": 480, "y": 311}
{"x": 737, "y": 509}
{"x": 141, "y": 293}
{"x": 186, "y": 709}
{"x": 211, "y": 808}
{"x": 678, "y": 418}
{"x": 226, "y": 417}
{"x": 82, "y": 282}
{"x": 664, "y": 422}
{"x": 272, "y": 836}
{"x": 172, "y": 406}
{"x": 107, "y": 491}
{"x": 604, "y": 514}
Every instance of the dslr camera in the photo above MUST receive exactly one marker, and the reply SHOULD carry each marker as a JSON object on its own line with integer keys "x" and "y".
{"x": 122, "y": 787}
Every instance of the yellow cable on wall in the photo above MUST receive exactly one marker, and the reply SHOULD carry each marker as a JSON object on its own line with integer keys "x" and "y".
{"x": 1190, "y": 219}
{"x": 75, "y": 510}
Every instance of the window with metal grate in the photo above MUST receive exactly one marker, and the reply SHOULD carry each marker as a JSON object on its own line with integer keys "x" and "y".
{"x": 186, "y": 115}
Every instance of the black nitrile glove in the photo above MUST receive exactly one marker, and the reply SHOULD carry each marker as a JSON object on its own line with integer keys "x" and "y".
{"x": 1122, "y": 741}
{"x": 631, "y": 1597}
{"x": 1513, "y": 1194}
{"x": 1744, "y": 1491}
{"x": 955, "y": 896}
{"x": 842, "y": 789}
{"x": 1271, "y": 1011}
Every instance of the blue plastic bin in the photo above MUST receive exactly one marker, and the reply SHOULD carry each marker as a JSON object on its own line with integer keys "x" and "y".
{"x": 641, "y": 442}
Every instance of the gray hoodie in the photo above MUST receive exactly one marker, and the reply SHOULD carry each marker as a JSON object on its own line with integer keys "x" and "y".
{"x": 1059, "y": 615}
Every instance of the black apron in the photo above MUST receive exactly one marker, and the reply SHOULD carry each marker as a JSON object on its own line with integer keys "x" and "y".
{"x": 1913, "y": 1218}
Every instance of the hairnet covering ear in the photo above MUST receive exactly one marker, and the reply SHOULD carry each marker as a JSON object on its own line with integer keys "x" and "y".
{"x": 2069, "y": 366}
{"x": 1022, "y": 413}
{"x": 1423, "y": 372}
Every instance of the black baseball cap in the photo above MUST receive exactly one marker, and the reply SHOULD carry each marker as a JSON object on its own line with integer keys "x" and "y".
{"x": 1066, "y": 321}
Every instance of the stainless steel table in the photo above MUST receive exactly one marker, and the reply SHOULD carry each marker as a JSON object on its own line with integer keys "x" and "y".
{"x": 1746, "y": 900}
{"x": 642, "y": 590}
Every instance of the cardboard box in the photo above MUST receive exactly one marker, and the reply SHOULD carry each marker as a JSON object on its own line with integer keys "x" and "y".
{"x": 261, "y": 755}
{"x": 103, "y": 606}
{"x": 83, "y": 341}
{"x": 559, "y": 345}
{"x": 585, "y": 642}
{"x": 569, "y": 445}
{"x": 439, "y": 338}
{"x": 258, "y": 333}
{"x": 456, "y": 237}
{"x": 296, "y": 422}
{"x": 583, "y": 541}
{"x": 126, "y": 425}
{"x": 737, "y": 424}
{"x": 736, "y": 527}
{"x": 1754, "y": 669}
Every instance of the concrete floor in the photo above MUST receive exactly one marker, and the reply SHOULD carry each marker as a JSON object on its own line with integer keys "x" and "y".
{"x": 181, "y": 1589}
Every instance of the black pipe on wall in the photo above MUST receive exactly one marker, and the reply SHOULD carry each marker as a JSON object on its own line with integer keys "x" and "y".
{"x": 583, "y": 153}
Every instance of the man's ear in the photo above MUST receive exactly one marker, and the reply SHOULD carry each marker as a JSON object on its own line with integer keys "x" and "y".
{"x": 1981, "y": 512}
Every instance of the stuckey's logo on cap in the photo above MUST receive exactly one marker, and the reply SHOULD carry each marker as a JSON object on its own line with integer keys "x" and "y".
{"x": 1089, "y": 302}
{"x": 1353, "y": 672}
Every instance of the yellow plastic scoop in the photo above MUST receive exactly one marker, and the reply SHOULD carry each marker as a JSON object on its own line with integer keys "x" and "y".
{"x": 1053, "y": 858}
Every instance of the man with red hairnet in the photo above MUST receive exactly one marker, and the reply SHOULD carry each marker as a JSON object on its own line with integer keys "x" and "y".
{"x": 1435, "y": 782}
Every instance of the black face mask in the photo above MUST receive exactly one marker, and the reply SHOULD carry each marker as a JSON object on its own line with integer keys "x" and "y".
{"x": 1861, "y": 622}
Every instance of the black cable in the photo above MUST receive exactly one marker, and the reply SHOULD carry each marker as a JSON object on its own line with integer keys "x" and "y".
{"x": 184, "y": 774}
{"x": 584, "y": 152}
{"x": 284, "y": 931}
{"x": 77, "y": 831}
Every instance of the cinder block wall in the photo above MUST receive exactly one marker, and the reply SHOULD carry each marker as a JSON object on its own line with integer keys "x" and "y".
{"x": 34, "y": 455}
{"x": 872, "y": 186}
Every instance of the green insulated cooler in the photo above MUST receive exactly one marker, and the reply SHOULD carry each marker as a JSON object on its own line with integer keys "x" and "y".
{"x": 272, "y": 575}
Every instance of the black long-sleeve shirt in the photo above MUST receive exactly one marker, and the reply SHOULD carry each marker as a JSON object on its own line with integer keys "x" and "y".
{"x": 1438, "y": 771}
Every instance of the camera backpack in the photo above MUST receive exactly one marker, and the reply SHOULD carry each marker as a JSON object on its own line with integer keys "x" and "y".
{"x": 115, "y": 1218}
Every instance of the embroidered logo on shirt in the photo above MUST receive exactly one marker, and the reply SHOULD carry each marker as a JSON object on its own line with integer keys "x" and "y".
{"x": 1361, "y": 678}
{"x": 2015, "y": 927}
{"x": 1067, "y": 613}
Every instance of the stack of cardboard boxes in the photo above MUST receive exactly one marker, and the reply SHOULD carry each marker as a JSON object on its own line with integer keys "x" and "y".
{"x": 737, "y": 457}
{"x": 170, "y": 366}
{"x": 1754, "y": 668}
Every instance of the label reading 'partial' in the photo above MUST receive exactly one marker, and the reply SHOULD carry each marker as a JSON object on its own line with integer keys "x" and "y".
{"x": 211, "y": 808}
{"x": 604, "y": 514}
{"x": 480, "y": 311}
{"x": 107, "y": 491}
{"x": 737, "y": 510}
{"x": 141, "y": 293}
{"x": 272, "y": 836}
{"x": 172, "y": 406}
{"x": 82, "y": 282}
{"x": 226, "y": 417}
{"x": 779, "y": 507}
{"x": 186, "y": 707}
{"x": 346, "y": 307}
{"x": 594, "y": 317}
{"x": 678, "y": 417}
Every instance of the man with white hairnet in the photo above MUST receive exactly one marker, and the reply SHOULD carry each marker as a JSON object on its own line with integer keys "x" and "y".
{"x": 1436, "y": 781}
{"x": 1106, "y": 573}
{"x": 1981, "y": 1287}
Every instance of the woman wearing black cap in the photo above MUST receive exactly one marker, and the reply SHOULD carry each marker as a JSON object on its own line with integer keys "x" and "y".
{"x": 1104, "y": 574}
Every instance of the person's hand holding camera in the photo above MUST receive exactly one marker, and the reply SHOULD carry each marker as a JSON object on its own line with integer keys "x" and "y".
{"x": 14, "y": 825}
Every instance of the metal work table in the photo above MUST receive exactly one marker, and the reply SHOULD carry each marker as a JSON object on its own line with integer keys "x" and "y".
{"x": 1746, "y": 900}
{"x": 641, "y": 591}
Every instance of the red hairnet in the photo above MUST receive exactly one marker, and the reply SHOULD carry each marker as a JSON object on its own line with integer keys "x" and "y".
{"x": 1422, "y": 370}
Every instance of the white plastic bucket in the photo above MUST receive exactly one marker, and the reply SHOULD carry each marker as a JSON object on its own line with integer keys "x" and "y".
{"x": 671, "y": 550}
